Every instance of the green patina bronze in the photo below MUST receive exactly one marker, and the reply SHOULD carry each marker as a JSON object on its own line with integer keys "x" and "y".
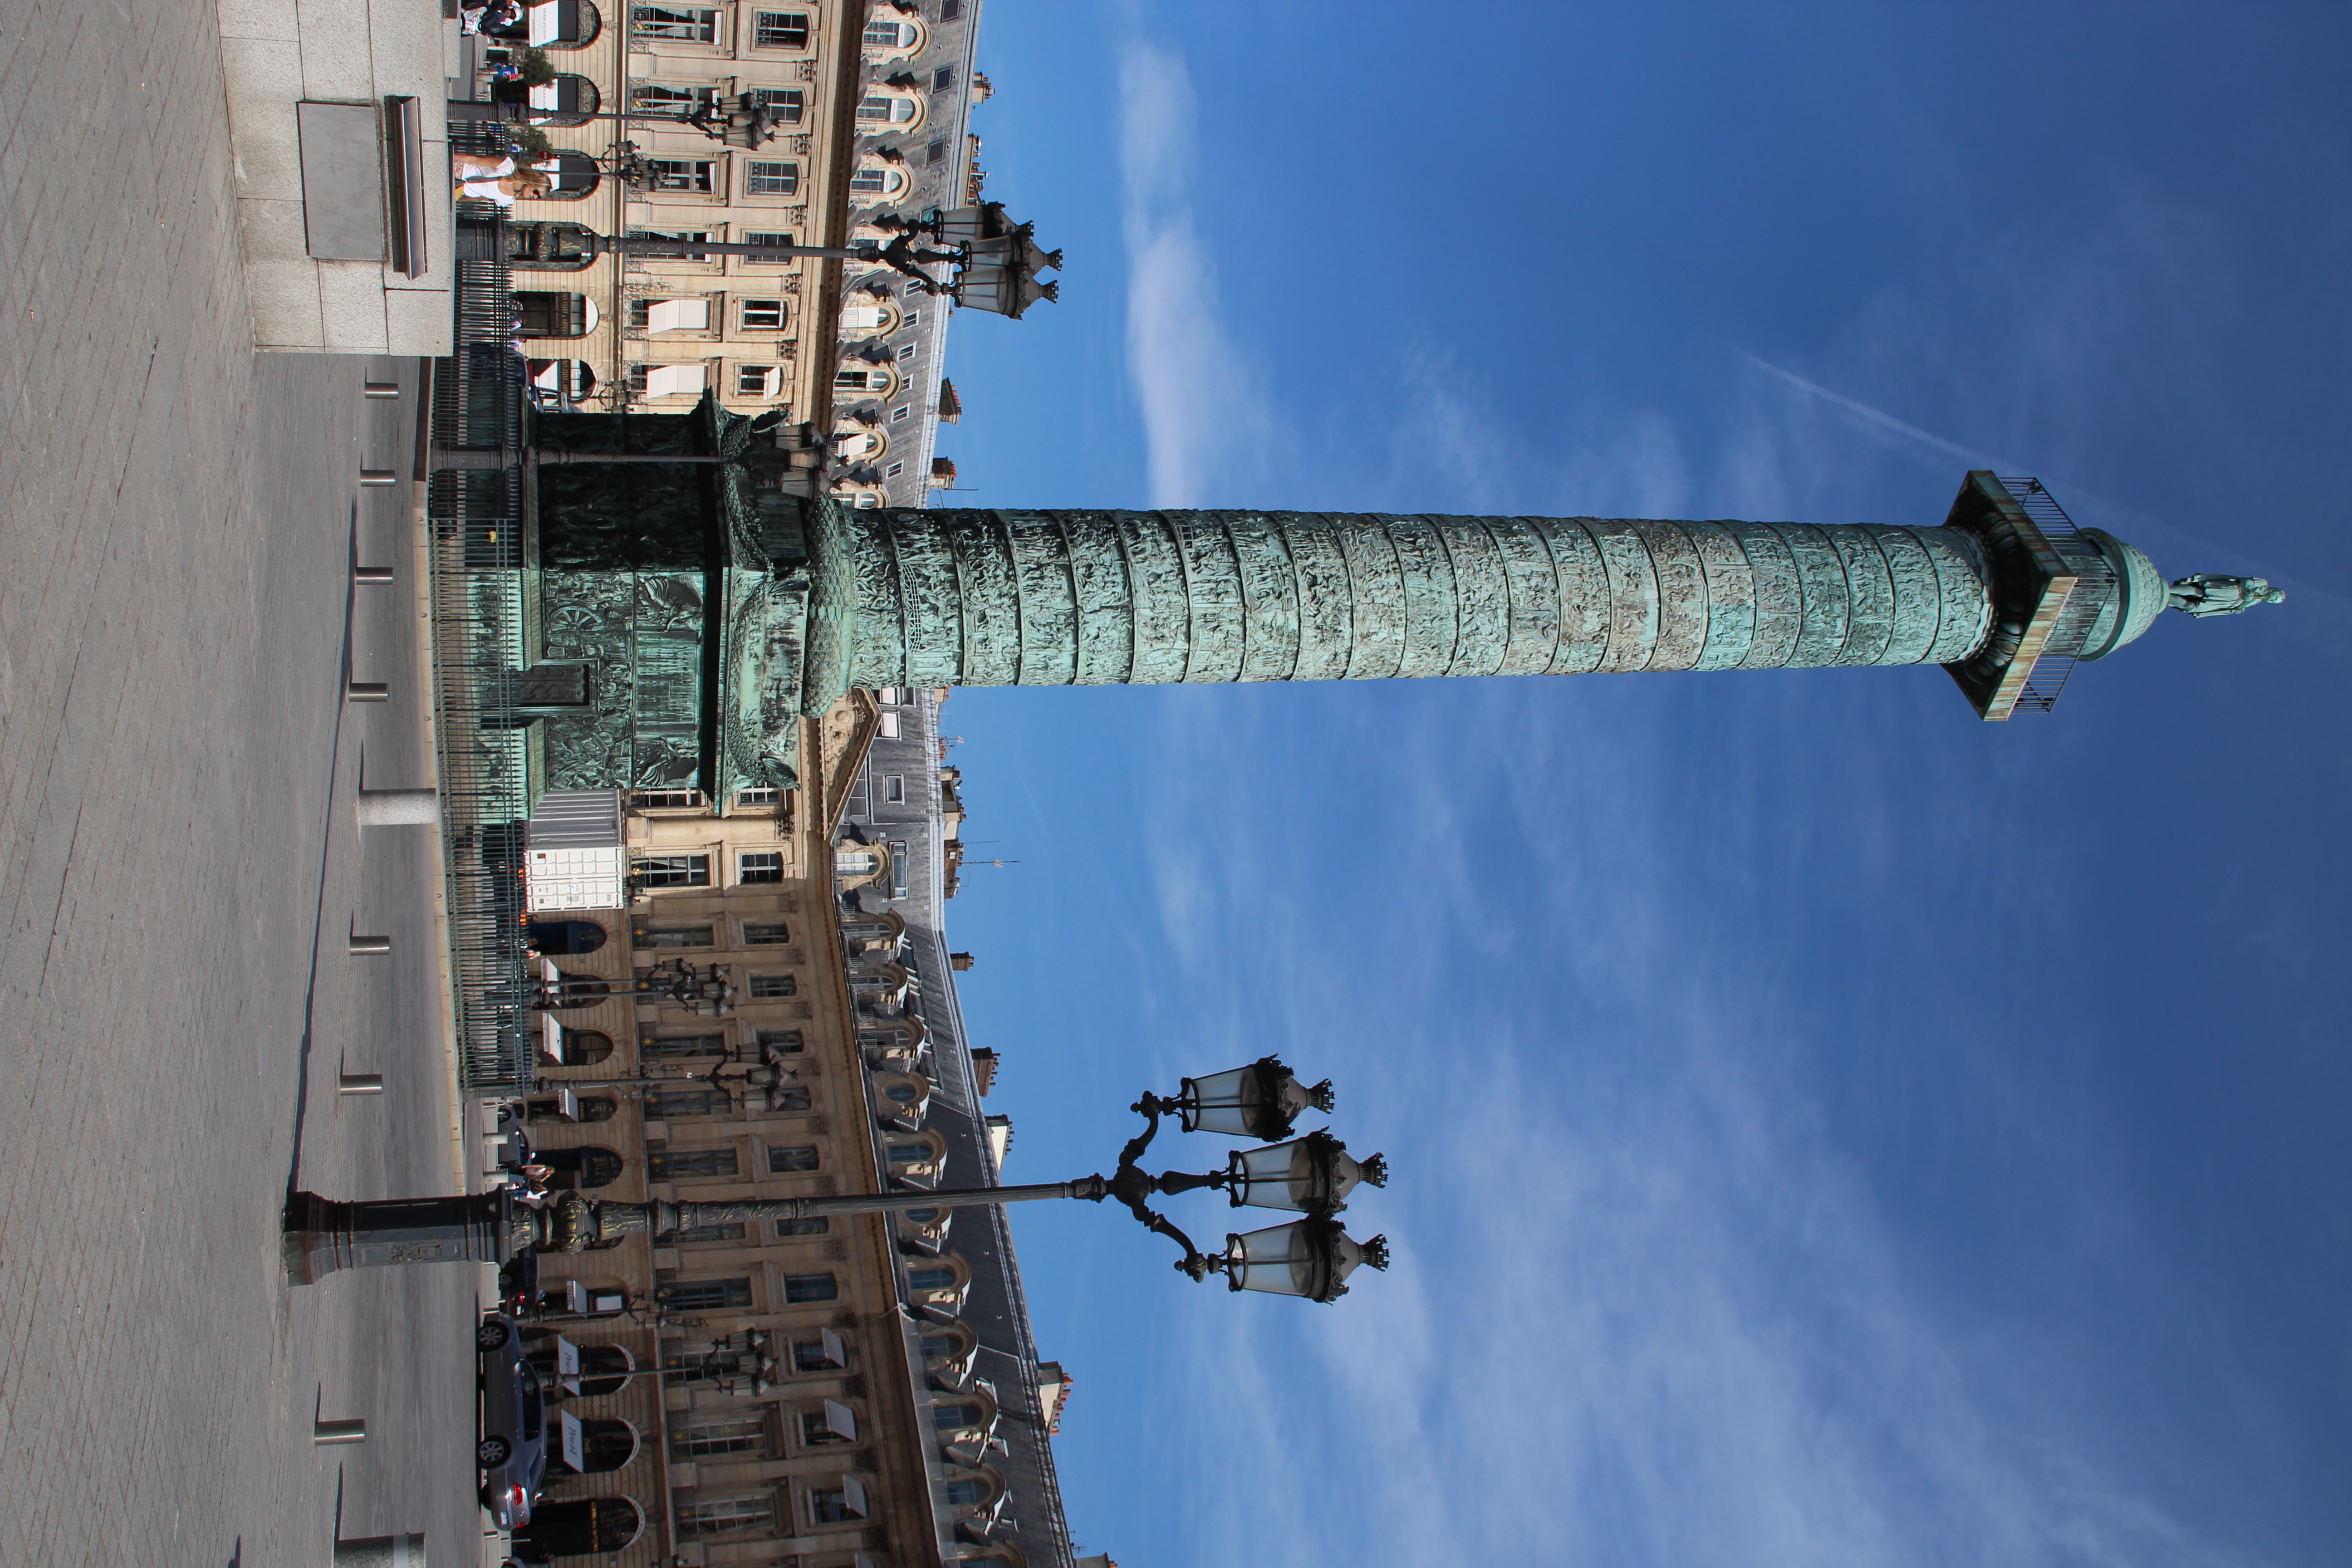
{"x": 712, "y": 612}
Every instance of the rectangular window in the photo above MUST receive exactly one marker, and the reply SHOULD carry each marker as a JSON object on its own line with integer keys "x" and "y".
{"x": 809, "y": 1288}
{"x": 689, "y": 1164}
{"x": 895, "y": 470}
{"x": 666, "y": 380}
{"x": 784, "y": 105}
{"x": 894, "y": 787}
{"x": 673, "y": 1047}
{"x": 676, "y": 936}
{"x": 781, "y": 29}
{"x": 665, "y": 800}
{"x": 901, "y": 412}
{"x": 726, "y": 1435}
{"x": 669, "y": 98}
{"x": 898, "y": 871}
{"x": 768, "y": 178}
{"x": 758, "y": 381}
{"x": 762, "y": 315}
{"x": 668, "y": 1104}
{"x": 830, "y": 1351}
{"x": 890, "y": 726}
{"x": 943, "y": 79}
{"x": 768, "y": 987}
{"x": 768, "y": 237}
{"x": 719, "y": 1516}
{"x": 760, "y": 866}
{"x": 697, "y": 174}
{"x": 766, "y": 934}
{"x": 688, "y": 236}
{"x": 791, "y": 1159}
{"x": 819, "y": 1428}
{"x": 789, "y": 1098}
{"x": 671, "y": 870}
{"x": 951, "y": 10}
{"x": 679, "y": 23}
{"x": 746, "y": 799}
{"x": 816, "y": 1226}
{"x": 707, "y": 1233}
{"x": 670, "y": 315}
{"x": 906, "y": 351}
{"x": 708, "y": 1295}
{"x": 780, "y": 1043}
{"x": 936, "y": 153}
{"x": 836, "y": 1505}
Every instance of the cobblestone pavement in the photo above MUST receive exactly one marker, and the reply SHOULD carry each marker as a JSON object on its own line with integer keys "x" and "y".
{"x": 179, "y": 869}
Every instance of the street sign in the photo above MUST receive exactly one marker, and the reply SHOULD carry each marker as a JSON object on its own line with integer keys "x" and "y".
{"x": 567, "y": 1364}
{"x": 575, "y": 1446}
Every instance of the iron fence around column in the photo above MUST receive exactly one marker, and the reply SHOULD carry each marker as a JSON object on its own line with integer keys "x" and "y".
{"x": 480, "y": 634}
{"x": 2096, "y": 577}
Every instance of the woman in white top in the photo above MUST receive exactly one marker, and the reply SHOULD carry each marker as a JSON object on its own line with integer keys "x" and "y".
{"x": 499, "y": 181}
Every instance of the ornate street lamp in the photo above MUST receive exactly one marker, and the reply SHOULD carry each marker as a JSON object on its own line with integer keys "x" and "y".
{"x": 1310, "y": 1258}
{"x": 1313, "y": 1174}
{"x": 1260, "y": 1101}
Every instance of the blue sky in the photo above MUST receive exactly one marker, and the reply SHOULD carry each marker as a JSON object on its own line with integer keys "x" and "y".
{"x": 1826, "y": 1129}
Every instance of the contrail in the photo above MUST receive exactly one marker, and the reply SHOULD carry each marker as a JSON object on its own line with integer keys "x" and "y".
{"x": 1882, "y": 419}
{"x": 2120, "y": 519}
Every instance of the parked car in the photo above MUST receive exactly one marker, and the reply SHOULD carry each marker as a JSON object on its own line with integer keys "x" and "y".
{"x": 519, "y": 1286}
{"x": 511, "y": 1447}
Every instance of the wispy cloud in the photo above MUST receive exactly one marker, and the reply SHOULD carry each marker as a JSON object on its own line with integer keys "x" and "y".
{"x": 1207, "y": 421}
{"x": 1642, "y": 1310}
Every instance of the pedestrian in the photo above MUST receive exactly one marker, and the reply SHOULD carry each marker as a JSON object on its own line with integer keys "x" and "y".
{"x": 489, "y": 180}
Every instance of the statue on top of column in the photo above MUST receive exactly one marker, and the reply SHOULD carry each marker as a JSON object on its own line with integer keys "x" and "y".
{"x": 2204, "y": 595}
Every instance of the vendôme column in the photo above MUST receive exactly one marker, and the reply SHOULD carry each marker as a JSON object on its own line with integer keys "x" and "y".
{"x": 1056, "y": 598}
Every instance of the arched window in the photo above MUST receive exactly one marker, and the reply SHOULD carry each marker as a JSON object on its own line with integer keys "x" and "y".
{"x": 932, "y": 1278}
{"x": 540, "y": 313}
{"x": 878, "y": 180}
{"x": 593, "y": 1107}
{"x": 885, "y": 109}
{"x": 575, "y": 176}
{"x": 578, "y": 1527}
{"x": 559, "y": 381}
{"x": 569, "y": 99}
{"x": 606, "y": 1444}
{"x": 902, "y": 1093}
{"x": 583, "y": 1045}
{"x": 956, "y": 1418}
{"x": 579, "y": 991}
{"x": 965, "y": 1493}
{"x": 889, "y": 35}
{"x": 910, "y": 1154}
{"x": 604, "y": 1368}
{"x": 556, "y": 938}
{"x": 582, "y": 1167}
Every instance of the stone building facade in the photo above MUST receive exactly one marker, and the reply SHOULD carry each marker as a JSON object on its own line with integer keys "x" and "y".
{"x": 816, "y": 1395}
{"x": 869, "y": 103}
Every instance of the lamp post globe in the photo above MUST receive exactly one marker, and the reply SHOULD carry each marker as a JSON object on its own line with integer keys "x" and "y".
{"x": 1260, "y": 1101}
{"x": 1310, "y": 1257}
{"x": 1313, "y": 1174}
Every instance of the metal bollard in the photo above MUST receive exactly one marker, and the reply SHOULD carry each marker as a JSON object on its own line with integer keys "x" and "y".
{"x": 370, "y": 944}
{"x": 372, "y": 478}
{"x": 380, "y": 389}
{"x": 359, "y": 1083}
{"x": 372, "y": 576}
{"x": 382, "y": 1552}
{"x": 369, "y": 692}
{"x": 399, "y": 807}
{"x": 326, "y": 1432}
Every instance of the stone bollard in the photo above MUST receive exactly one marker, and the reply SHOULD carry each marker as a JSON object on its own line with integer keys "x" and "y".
{"x": 369, "y": 692}
{"x": 359, "y": 1083}
{"x": 382, "y": 1552}
{"x": 375, "y": 478}
{"x": 372, "y": 576}
{"x": 380, "y": 388}
{"x": 399, "y": 807}
{"x": 324, "y": 1433}
{"x": 372, "y": 946}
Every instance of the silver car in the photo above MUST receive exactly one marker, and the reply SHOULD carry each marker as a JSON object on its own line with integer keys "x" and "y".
{"x": 513, "y": 1447}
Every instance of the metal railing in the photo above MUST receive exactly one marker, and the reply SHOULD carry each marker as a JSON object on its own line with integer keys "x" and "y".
{"x": 2094, "y": 588}
{"x": 480, "y": 638}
